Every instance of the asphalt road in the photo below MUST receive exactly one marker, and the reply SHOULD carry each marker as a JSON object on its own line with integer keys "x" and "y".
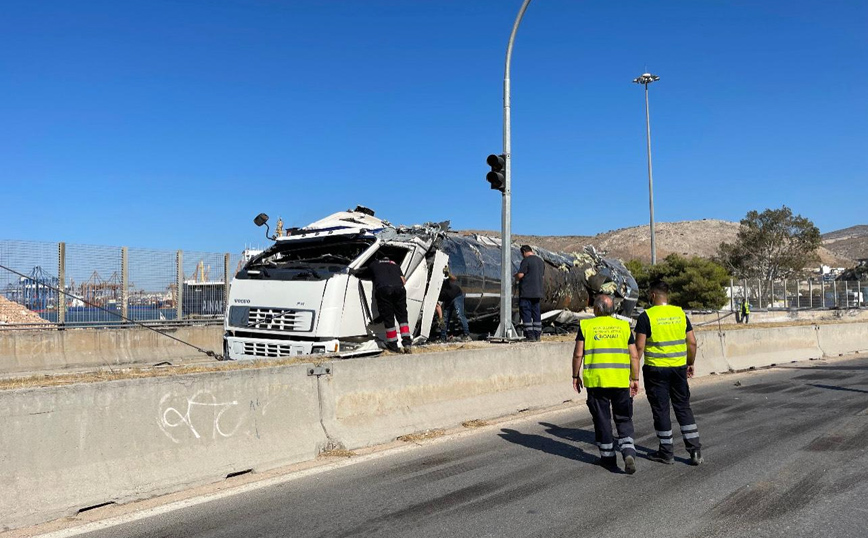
{"x": 785, "y": 454}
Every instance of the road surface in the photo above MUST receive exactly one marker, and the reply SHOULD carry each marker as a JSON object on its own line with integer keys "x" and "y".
{"x": 785, "y": 454}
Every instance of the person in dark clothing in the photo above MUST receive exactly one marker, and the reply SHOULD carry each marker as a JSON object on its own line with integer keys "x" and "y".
{"x": 452, "y": 303}
{"x": 665, "y": 337}
{"x": 391, "y": 300}
{"x": 530, "y": 291}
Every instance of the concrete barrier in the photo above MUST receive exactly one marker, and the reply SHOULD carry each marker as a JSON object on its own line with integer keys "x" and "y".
{"x": 841, "y": 339}
{"x": 710, "y": 357}
{"x": 33, "y": 351}
{"x": 374, "y": 401}
{"x": 758, "y": 347}
{"x": 70, "y": 447}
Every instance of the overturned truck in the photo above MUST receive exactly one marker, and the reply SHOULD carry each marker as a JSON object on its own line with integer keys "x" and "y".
{"x": 302, "y": 296}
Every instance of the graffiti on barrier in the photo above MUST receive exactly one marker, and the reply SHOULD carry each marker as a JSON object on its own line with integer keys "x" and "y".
{"x": 202, "y": 409}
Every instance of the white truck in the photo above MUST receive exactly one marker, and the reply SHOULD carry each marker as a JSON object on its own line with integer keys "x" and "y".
{"x": 301, "y": 296}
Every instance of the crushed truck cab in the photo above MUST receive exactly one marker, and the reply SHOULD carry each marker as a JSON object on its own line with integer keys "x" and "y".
{"x": 301, "y": 296}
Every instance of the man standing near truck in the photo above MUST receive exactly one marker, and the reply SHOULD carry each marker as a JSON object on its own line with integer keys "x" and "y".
{"x": 530, "y": 291}
{"x": 391, "y": 297}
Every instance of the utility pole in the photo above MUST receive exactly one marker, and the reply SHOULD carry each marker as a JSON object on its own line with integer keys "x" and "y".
{"x": 645, "y": 80}
{"x": 506, "y": 330}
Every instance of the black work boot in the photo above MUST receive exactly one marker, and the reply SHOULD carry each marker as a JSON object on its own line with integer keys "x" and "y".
{"x": 609, "y": 462}
{"x": 393, "y": 347}
{"x": 407, "y": 344}
{"x": 695, "y": 457}
{"x": 661, "y": 457}
{"x": 629, "y": 464}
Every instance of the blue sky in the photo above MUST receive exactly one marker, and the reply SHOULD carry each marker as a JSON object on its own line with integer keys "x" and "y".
{"x": 172, "y": 123}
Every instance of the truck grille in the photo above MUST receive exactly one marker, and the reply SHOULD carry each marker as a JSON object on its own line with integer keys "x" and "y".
{"x": 277, "y": 319}
{"x": 260, "y": 349}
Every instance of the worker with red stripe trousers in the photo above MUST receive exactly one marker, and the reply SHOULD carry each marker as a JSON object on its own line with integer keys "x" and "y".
{"x": 391, "y": 299}
{"x": 664, "y": 335}
{"x": 606, "y": 363}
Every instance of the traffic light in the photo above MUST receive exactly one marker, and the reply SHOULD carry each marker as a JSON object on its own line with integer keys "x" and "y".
{"x": 498, "y": 168}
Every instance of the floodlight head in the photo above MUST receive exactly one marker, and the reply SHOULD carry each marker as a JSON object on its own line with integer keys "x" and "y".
{"x": 260, "y": 219}
{"x": 646, "y": 78}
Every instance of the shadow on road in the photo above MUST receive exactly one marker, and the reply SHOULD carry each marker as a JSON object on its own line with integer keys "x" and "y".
{"x": 549, "y": 445}
{"x": 584, "y": 436}
{"x": 835, "y": 387}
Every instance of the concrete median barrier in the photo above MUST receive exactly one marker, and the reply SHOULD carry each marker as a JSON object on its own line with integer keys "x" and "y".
{"x": 710, "y": 357}
{"x": 71, "y": 447}
{"x": 373, "y": 401}
{"x": 841, "y": 339}
{"x": 747, "y": 348}
{"x": 52, "y": 350}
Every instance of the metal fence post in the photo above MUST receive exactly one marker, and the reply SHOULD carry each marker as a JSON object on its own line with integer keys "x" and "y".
{"x": 226, "y": 279}
{"x": 823, "y": 291}
{"x": 785, "y": 294}
{"x": 125, "y": 283}
{"x": 179, "y": 283}
{"x": 731, "y": 296}
{"x": 759, "y": 293}
{"x": 61, "y": 283}
{"x": 835, "y": 293}
{"x": 810, "y": 293}
{"x": 847, "y": 293}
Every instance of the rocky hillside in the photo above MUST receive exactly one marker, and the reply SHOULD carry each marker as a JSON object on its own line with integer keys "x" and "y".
{"x": 687, "y": 238}
{"x": 850, "y": 242}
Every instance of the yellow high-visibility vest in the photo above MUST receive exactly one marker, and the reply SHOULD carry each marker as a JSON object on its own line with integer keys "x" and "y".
{"x": 667, "y": 345}
{"x": 607, "y": 352}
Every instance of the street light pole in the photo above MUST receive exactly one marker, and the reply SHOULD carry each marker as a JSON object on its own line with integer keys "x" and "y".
{"x": 645, "y": 80}
{"x": 506, "y": 330}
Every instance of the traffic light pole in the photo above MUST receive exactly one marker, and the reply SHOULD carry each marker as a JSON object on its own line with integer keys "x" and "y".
{"x": 506, "y": 330}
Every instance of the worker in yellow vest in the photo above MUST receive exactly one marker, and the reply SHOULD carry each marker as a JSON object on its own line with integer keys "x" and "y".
{"x": 606, "y": 363}
{"x": 664, "y": 335}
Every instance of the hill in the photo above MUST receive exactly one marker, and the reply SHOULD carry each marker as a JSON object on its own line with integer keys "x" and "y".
{"x": 686, "y": 238}
{"x": 850, "y": 242}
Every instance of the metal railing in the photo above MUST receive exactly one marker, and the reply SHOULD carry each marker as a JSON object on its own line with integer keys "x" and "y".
{"x": 796, "y": 294}
{"x": 102, "y": 285}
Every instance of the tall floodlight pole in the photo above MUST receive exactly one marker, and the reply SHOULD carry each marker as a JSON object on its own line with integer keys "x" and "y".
{"x": 645, "y": 80}
{"x": 506, "y": 330}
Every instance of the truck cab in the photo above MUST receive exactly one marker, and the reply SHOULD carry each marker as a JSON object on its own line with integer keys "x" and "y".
{"x": 301, "y": 296}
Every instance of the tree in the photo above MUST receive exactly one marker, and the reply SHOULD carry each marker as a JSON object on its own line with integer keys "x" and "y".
{"x": 771, "y": 245}
{"x": 695, "y": 282}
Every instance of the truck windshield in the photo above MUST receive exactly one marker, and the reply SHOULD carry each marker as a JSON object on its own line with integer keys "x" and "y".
{"x": 305, "y": 260}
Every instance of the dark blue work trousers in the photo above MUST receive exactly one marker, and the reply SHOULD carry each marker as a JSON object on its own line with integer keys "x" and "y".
{"x": 455, "y": 308}
{"x": 530, "y": 318}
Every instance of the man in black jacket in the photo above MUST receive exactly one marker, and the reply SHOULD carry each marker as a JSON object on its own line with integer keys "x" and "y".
{"x": 391, "y": 297}
{"x": 530, "y": 291}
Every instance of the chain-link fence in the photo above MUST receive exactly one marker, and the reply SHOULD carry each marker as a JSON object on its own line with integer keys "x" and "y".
{"x": 58, "y": 284}
{"x": 798, "y": 294}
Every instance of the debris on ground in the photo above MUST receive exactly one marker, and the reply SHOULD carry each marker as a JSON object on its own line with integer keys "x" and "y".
{"x": 14, "y": 313}
{"x": 421, "y": 436}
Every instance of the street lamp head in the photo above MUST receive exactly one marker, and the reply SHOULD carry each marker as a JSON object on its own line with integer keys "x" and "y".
{"x": 646, "y": 78}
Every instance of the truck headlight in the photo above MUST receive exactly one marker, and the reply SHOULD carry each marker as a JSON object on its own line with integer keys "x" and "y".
{"x": 318, "y": 350}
